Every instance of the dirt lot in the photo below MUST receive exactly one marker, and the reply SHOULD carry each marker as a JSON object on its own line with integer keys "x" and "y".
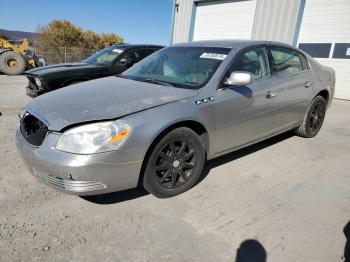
{"x": 288, "y": 194}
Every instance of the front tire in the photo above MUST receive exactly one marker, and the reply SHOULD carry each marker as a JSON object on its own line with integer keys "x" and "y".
{"x": 313, "y": 119}
{"x": 175, "y": 163}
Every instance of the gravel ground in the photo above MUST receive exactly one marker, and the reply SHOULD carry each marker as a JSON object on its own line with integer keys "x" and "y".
{"x": 287, "y": 199}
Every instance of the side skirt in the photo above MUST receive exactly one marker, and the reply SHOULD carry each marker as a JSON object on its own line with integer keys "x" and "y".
{"x": 274, "y": 133}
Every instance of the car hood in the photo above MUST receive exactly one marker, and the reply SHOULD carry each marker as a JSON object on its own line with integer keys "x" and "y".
{"x": 101, "y": 99}
{"x": 51, "y": 69}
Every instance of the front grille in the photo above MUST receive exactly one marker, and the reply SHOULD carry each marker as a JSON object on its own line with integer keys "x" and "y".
{"x": 69, "y": 185}
{"x": 33, "y": 130}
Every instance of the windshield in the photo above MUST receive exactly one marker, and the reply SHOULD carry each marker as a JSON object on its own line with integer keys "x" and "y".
{"x": 188, "y": 67}
{"x": 105, "y": 56}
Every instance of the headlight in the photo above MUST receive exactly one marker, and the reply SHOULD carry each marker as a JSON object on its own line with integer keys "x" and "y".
{"x": 37, "y": 81}
{"x": 94, "y": 138}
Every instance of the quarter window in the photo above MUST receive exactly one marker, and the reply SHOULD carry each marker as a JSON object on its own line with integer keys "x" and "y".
{"x": 253, "y": 61}
{"x": 287, "y": 61}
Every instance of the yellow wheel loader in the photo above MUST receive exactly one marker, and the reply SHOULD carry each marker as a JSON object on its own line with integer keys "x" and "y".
{"x": 15, "y": 59}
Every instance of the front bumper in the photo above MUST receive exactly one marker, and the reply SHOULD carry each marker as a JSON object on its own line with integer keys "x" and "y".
{"x": 79, "y": 174}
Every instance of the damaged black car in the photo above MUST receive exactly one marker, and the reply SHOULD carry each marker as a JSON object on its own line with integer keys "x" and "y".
{"x": 109, "y": 61}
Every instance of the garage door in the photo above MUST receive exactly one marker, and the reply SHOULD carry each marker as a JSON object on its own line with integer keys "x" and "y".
{"x": 325, "y": 34}
{"x": 224, "y": 20}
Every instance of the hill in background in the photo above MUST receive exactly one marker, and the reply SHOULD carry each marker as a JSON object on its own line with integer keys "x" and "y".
{"x": 18, "y": 35}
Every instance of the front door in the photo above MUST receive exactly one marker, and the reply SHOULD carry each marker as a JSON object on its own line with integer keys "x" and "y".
{"x": 247, "y": 112}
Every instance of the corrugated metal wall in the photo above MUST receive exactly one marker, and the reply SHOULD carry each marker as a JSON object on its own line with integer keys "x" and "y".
{"x": 274, "y": 20}
{"x": 182, "y": 20}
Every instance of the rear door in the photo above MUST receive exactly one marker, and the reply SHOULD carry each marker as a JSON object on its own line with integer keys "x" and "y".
{"x": 292, "y": 82}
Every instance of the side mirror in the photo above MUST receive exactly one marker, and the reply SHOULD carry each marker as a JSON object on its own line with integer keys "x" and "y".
{"x": 239, "y": 79}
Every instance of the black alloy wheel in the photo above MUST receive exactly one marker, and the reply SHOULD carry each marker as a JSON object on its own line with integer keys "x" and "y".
{"x": 316, "y": 117}
{"x": 175, "y": 163}
{"x": 313, "y": 119}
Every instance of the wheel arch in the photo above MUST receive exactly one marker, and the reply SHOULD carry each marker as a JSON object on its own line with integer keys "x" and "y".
{"x": 194, "y": 125}
{"x": 325, "y": 94}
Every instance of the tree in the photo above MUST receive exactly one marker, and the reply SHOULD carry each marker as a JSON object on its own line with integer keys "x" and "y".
{"x": 55, "y": 37}
{"x": 110, "y": 39}
{"x": 91, "y": 40}
{"x": 60, "y": 33}
{"x": 61, "y": 38}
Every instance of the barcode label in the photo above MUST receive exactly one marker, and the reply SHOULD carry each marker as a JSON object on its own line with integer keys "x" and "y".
{"x": 213, "y": 56}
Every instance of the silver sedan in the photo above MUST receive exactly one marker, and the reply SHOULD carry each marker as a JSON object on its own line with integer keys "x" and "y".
{"x": 156, "y": 124}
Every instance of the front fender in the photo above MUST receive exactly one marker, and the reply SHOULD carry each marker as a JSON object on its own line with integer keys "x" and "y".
{"x": 149, "y": 124}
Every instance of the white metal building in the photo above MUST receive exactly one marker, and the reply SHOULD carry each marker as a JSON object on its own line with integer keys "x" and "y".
{"x": 319, "y": 27}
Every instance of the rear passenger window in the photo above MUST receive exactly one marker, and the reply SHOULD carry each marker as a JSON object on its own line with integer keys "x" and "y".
{"x": 255, "y": 62}
{"x": 287, "y": 61}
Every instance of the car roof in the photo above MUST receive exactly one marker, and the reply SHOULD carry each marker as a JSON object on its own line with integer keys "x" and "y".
{"x": 230, "y": 43}
{"x": 129, "y": 46}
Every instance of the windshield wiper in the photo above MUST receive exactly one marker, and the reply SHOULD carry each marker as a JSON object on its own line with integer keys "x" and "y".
{"x": 157, "y": 82}
{"x": 191, "y": 83}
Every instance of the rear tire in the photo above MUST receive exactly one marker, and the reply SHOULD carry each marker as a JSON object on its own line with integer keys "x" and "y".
{"x": 12, "y": 63}
{"x": 175, "y": 163}
{"x": 313, "y": 119}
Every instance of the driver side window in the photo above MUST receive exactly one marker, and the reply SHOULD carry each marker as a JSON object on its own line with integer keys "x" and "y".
{"x": 253, "y": 61}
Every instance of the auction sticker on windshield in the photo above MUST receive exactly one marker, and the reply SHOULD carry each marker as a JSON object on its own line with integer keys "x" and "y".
{"x": 117, "y": 51}
{"x": 213, "y": 56}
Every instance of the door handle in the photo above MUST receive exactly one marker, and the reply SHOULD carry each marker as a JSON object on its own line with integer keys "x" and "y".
{"x": 270, "y": 94}
{"x": 307, "y": 84}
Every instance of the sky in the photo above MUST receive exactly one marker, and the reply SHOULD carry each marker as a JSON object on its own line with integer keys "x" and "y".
{"x": 137, "y": 21}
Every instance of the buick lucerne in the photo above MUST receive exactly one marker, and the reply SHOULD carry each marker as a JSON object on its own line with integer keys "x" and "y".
{"x": 157, "y": 123}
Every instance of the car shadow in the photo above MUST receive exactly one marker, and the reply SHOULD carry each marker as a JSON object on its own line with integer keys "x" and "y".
{"x": 242, "y": 153}
{"x": 130, "y": 194}
{"x": 251, "y": 251}
{"x": 116, "y": 197}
